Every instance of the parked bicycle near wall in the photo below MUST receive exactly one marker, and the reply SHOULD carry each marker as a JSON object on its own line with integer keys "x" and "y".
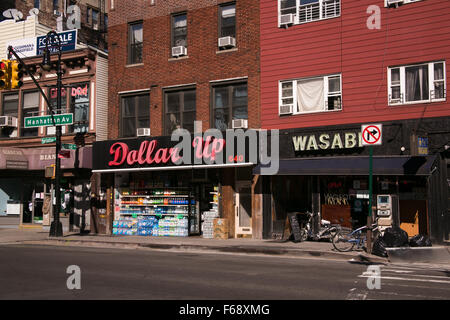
{"x": 345, "y": 239}
{"x": 326, "y": 230}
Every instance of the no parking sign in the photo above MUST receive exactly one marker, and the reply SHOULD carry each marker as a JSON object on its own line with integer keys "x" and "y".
{"x": 371, "y": 134}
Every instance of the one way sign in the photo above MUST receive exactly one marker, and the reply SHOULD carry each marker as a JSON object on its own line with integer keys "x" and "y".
{"x": 371, "y": 134}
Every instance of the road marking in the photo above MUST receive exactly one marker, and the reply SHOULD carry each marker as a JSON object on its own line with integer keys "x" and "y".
{"x": 406, "y": 279}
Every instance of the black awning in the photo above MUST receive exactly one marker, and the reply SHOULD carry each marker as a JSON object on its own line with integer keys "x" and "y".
{"x": 385, "y": 165}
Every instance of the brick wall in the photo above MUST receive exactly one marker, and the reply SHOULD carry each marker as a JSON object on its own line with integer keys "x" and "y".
{"x": 203, "y": 64}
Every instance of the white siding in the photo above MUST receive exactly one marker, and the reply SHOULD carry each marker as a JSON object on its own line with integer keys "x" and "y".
{"x": 101, "y": 103}
{"x": 11, "y": 30}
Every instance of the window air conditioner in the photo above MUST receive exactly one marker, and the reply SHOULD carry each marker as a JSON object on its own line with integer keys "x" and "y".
{"x": 393, "y": 2}
{"x": 227, "y": 42}
{"x": 143, "y": 132}
{"x": 287, "y": 19}
{"x": 286, "y": 109}
{"x": 239, "y": 124}
{"x": 7, "y": 121}
{"x": 179, "y": 51}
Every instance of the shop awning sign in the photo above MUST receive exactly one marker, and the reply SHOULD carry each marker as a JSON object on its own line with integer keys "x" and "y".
{"x": 371, "y": 134}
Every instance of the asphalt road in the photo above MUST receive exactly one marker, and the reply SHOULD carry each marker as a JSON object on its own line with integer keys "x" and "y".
{"x": 40, "y": 272}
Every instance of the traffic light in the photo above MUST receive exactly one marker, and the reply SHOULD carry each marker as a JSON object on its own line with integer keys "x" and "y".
{"x": 4, "y": 75}
{"x": 50, "y": 171}
{"x": 16, "y": 74}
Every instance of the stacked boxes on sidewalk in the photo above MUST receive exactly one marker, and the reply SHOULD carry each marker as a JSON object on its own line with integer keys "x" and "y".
{"x": 209, "y": 216}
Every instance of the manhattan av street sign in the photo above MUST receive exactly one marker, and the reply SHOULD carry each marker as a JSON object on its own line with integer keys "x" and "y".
{"x": 46, "y": 121}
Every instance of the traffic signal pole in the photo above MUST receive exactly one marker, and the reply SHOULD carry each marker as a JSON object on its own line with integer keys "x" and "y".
{"x": 56, "y": 229}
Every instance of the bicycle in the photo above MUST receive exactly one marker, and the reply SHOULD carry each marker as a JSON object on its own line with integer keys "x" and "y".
{"x": 344, "y": 239}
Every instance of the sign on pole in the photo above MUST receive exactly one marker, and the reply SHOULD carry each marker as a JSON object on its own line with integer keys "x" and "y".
{"x": 46, "y": 121}
{"x": 371, "y": 134}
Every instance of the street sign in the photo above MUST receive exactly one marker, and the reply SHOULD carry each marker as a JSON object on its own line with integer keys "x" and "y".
{"x": 371, "y": 134}
{"x": 69, "y": 146}
{"x": 48, "y": 140}
{"x": 46, "y": 121}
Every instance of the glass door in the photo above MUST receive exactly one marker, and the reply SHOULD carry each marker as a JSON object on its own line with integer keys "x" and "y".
{"x": 243, "y": 208}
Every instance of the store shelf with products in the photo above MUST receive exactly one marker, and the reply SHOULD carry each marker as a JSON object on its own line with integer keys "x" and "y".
{"x": 154, "y": 212}
{"x": 209, "y": 216}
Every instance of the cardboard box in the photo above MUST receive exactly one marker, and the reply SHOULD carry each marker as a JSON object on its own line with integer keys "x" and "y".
{"x": 221, "y": 230}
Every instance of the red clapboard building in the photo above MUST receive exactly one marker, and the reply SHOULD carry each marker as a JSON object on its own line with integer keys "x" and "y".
{"x": 329, "y": 66}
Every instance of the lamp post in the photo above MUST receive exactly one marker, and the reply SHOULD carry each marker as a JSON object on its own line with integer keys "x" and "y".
{"x": 52, "y": 40}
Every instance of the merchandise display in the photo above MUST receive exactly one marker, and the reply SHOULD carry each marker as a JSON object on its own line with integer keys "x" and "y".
{"x": 209, "y": 216}
{"x": 154, "y": 213}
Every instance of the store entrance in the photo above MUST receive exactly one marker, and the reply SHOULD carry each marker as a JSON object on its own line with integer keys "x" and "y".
{"x": 243, "y": 208}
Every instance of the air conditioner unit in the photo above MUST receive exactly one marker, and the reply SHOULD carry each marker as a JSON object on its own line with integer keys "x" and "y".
{"x": 7, "y": 121}
{"x": 287, "y": 19}
{"x": 143, "y": 132}
{"x": 392, "y": 2}
{"x": 179, "y": 51}
{"x": 239, "y": 124}
{"x": 286, "y": 109}
{"x": 227, "y": 42}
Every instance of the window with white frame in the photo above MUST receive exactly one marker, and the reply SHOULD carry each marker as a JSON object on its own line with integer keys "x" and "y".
{"x": 388, "y": 3}
{"x": 417, "y": 83}
{"x": 310, "y": 95}
{"x": 303, "y": 11}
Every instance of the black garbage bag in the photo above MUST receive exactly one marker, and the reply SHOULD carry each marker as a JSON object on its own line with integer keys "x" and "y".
{"x": 379, "y": 247}
{"x": 420, "y": 240}
{"x": 395, "y": 237}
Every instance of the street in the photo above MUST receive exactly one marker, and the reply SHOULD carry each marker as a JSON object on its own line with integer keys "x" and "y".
{"x": 40, "y": 272}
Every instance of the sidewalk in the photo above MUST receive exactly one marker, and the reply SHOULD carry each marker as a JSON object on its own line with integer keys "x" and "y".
{"x": 307, "y": 249}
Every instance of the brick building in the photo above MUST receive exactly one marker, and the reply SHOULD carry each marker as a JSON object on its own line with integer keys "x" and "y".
{"x": 27, "y": 151}
{"x": 172, "y": 63}
{"x": 329, "y": 66}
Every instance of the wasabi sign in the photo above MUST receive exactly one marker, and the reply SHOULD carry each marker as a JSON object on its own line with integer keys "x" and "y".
{"x": 46, "y": 121}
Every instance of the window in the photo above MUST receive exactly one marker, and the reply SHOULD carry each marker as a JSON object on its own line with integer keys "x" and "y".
{"x": 310, "y": 10}
{"x": 135, "y": 113}
{"x": 179, "y": 110}
{"x": 37, "y": 4}
{"x": 92, "y": 18}
{"x": 312, "y": 94}
{"x": 179, "y": 30}
{"x": 79, "y": 107}
{"x": 386, "y": 4}
{"x": 135, "y": 43}
{"x": 10, "y": 108}
{"x": 55, "y": 5}
{"x": 30, "y": 108}
{"x": 229, "y": 103}
{"x": 417, "y": 83}
{"x": 227, "y": 21}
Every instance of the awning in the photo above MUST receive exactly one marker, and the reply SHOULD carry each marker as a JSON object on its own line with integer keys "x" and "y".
{"x": 382, "y": 165}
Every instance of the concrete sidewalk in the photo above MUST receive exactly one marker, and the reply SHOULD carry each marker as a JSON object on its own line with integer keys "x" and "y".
{"x": 307, "y": 249}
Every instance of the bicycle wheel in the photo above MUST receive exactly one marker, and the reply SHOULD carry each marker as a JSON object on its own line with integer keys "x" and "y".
{"x": 342, "y": 240}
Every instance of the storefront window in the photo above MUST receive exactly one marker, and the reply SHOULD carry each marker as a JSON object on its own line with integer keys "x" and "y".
{"x": 79, "y": 106}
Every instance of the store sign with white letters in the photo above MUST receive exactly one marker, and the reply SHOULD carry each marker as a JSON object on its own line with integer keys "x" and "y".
{"x": 324, "y": 141}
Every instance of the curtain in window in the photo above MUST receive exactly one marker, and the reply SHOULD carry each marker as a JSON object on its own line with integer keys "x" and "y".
{"x": 310, "y": 95}
{"x": 136, "y": 36}
{"x": 417, "y": 83}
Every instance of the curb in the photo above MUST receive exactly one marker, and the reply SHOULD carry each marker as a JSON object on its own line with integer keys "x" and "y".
{"x": 356, "y": 257}
{"x": 440, "y": 254}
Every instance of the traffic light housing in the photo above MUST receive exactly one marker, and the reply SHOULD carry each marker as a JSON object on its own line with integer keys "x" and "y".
{"x": 4, "y": 75}
{"x": 16, "y": 74}
{"x": 50, "y": 171}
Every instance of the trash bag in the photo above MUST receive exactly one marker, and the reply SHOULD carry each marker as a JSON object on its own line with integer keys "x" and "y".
{"x": 379, "y": 247}
{"x": 395, "y": 237}
{"x": 420, "y": 240}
